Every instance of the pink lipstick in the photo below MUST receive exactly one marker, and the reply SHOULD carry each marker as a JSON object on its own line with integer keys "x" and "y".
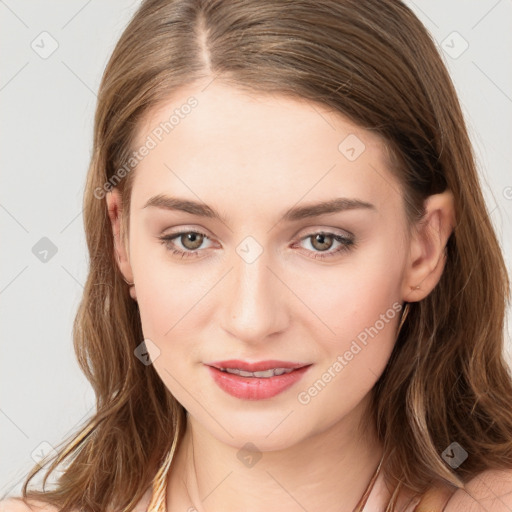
{"x": 256, "y": 381}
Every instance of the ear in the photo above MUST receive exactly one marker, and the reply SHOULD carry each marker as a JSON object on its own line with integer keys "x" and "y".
{"x": 115, "y": 211}
{"x": 427, "y": 253}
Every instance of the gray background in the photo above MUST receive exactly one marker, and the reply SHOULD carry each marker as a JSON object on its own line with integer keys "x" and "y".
{"x": 47, "y": 104}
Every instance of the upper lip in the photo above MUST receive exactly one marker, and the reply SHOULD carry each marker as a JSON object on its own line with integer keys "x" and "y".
{"x": 257, "y": 366}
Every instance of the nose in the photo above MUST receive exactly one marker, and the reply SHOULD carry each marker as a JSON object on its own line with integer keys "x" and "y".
{"x": 254, "y": 304}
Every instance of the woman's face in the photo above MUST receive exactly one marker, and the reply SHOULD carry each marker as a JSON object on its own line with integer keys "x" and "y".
{"x": 261, "y": 283}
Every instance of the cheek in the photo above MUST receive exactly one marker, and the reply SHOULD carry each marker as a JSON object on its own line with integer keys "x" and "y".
{"x": 354, "y": 357}
{"x": 167, "y": 293}
{"x": 346, "y": 299}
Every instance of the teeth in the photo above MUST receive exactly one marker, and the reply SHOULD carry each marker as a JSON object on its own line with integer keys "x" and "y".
{"x": 263, "y": 374}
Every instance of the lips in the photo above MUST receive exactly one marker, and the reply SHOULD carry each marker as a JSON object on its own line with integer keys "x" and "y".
{"x": 256, "y": 387}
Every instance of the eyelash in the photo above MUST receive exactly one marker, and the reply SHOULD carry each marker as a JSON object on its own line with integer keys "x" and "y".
{"x": 346, "y": 244}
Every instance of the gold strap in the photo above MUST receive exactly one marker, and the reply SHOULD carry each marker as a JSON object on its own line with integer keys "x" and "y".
{"x": 364, "y": 498}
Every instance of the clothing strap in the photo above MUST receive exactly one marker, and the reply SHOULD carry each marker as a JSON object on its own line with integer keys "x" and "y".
{"x": 364, "y": 498}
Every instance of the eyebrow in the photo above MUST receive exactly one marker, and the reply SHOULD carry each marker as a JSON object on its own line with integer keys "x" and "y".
{"x": 295, "y": 213}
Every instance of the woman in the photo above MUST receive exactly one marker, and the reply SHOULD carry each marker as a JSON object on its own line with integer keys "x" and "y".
{"x": 295, "y": 294}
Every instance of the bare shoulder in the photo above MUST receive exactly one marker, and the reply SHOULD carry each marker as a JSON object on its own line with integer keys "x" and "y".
{"x": 490, "y": 491}
{"x": 18, "y": 505}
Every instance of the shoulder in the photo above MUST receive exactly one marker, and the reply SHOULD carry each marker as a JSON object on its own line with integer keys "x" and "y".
{"x": 18, "y": 505}
{"x": 490, "y": 491}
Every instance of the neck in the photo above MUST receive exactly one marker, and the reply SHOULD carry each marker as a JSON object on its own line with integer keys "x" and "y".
{"x": 331, "y": 467}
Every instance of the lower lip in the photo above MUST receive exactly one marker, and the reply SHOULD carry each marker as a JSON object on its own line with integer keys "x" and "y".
{"x": 255, "y": 388}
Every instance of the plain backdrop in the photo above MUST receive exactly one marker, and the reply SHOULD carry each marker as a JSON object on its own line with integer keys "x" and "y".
{"x": 52, "y": 57}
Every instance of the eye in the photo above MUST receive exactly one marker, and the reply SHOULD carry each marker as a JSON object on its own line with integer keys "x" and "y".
{"x": 323, "y": 241}
{"x": 191, "y": 241}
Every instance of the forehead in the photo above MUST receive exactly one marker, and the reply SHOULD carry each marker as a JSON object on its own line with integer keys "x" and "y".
{"x": 261, "y": 145}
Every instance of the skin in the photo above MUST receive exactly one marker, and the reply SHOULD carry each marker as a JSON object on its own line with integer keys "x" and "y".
{"x": 253, "y": 156}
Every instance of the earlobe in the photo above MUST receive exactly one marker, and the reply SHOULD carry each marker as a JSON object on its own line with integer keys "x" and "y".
{"x": 115, "y": 210}
{"x": 428, "y": 252}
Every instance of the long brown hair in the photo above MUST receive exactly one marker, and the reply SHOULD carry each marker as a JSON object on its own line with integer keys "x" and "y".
{"x": 373, "y": 62}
